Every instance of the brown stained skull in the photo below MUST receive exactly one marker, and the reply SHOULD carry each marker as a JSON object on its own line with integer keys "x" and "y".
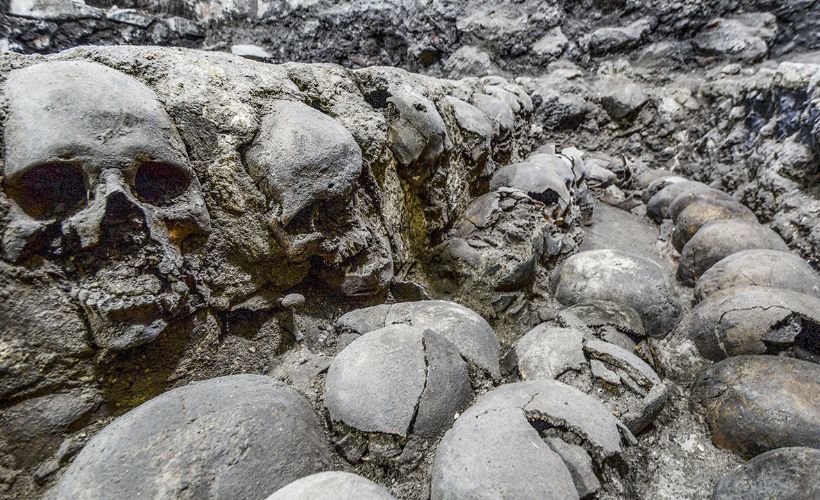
{"x": 93, "y": 159}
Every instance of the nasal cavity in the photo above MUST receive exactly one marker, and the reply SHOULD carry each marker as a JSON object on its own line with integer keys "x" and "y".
{"x": 120, "y": 209}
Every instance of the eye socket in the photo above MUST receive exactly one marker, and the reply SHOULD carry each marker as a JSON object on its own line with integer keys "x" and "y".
{"x": 160, "y": 184}
{"x": 51, "y": 190}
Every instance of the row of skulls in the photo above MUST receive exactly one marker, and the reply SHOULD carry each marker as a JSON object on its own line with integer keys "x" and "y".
{"x": 96, "y": 172}
{"x": 98, "y": 180}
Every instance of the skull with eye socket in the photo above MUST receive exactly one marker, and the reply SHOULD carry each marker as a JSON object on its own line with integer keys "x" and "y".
{"x": 100, "y": 183}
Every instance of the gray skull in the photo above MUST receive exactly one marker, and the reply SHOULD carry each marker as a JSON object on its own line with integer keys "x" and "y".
{"x": 90, "y": 153}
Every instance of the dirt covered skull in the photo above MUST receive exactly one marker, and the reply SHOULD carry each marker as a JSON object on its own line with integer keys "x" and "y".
{"x": 94, "y": 168}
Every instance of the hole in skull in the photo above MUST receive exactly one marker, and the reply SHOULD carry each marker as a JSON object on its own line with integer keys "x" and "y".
{"x": 50, "y": 190}
{"x": 377, "y": 98}
{"x": 547, "y": 197}
{"x": 809, "y": 337}
{"x": 797, "y": 332}
{"x": 160, "y": 184}
{"x": 539, "y": 425}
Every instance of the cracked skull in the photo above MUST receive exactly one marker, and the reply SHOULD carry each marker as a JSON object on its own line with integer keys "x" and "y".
{"x": 95, "y": 168}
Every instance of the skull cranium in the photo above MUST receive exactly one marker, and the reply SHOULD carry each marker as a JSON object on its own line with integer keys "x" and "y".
{"x": 91, "y": 154}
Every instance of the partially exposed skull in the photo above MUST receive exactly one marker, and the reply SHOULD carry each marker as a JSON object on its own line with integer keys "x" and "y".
{"x": 94, "y": 163}
{"x": 307, "y": 164}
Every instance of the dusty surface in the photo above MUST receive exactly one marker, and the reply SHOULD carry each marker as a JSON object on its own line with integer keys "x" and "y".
{"x": 172, "y": 215}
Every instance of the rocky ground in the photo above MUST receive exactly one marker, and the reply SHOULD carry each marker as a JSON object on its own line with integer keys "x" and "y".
{"x": 383, "y": 249}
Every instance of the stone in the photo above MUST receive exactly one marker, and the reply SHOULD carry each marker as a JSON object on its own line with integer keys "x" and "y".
{"x": 698, "y": 213}
{"x": 332, "y": 485}
{"x": 551, "y": 45}
{"x": 53, "y": 10}
{"x": 622, "y": 278}
{"x": 561, "y": 110}
{"x": 665, "y": 53}
{"x": 182, "y": 26}
{"x": 33, "y": 429}
{"x": 187, "y": 442}
{"x": 302, "y": 157}
{"x": 611, "y": 39}
{"x": 467, "y": 331}
{"x": 468, "y": 60}
{"x": 251, "y": 51}
{"x": 769, "y": 268}
{"x": 293, "y": 300}
{"x": 134, "y": 17}
{"x": 754, "y": 404}
{"x": 621, "y": 98}
{"x": 756, "y": 320}
{"x": 784, "y": 473}
{"x": 742, "y": 38}
{"x": 719, "y": 239}
{"x": 504, "y": 28}
{"x": 397, "y": 380}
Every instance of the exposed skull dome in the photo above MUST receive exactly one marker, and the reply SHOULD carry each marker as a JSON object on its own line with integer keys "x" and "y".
{"x": 88, "y": 113}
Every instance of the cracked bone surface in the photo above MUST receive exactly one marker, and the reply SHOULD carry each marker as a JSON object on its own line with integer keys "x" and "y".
{"x": 757, "y": 320}
{"x": 467, "y": 331}
{"x": 620, "y": 277}
{"x": 498, "y": 443}
{"x": 397, "y": 381}
{"x": 623, "y": 382}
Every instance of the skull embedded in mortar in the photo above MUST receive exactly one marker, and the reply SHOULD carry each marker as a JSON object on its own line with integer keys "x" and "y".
{"x": 100, "y": 184}
{"x": 307, "y": 164}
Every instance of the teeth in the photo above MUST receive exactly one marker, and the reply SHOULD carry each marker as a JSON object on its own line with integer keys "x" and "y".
{"x": 104, "y": 301}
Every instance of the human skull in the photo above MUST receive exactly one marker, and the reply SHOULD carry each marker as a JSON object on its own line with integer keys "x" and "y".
{"x": 93, "y": 160}
{"x": 307, "y": 164}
